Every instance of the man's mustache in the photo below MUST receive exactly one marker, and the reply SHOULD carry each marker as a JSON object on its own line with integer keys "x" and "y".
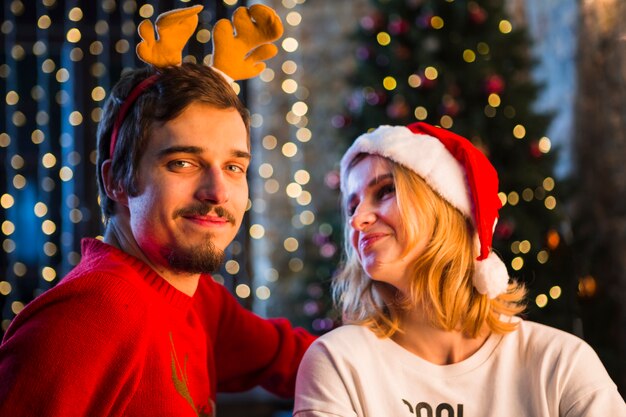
{"x": 203, "y": 210}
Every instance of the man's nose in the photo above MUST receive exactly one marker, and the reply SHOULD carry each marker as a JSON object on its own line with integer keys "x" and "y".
{"x": 213, "y": 187}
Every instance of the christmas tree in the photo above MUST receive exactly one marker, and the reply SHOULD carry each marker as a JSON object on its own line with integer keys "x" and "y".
{"x": 464, "y": 65}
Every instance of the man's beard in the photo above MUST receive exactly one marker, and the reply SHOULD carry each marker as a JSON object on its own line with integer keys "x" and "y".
{"x": 204, "y": 258}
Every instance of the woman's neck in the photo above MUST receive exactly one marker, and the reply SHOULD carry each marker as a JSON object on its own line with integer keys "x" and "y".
{"x": 435, "y": 345}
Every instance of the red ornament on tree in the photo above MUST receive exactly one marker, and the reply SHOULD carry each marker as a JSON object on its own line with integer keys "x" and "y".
{"x": 477, "y": 14}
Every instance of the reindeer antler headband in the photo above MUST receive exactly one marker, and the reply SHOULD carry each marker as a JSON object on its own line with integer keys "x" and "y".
{"x": 239, "y": 49}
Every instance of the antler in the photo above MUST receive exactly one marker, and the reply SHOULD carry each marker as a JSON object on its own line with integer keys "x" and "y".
{"x": 174, "y": 29}
{"x": 239, "y": 51}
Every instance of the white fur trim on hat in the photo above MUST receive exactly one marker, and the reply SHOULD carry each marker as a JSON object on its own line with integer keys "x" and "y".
{"x": 422, "y": 154}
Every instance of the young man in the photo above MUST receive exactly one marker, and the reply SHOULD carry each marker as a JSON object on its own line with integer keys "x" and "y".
{"x": 139, "y": 328}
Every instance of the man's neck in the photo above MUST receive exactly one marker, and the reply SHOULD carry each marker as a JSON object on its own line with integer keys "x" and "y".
{"x": 120, "y": 237}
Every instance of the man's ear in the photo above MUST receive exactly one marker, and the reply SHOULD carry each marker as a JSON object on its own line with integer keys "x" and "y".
{"x": 114, "y": 190}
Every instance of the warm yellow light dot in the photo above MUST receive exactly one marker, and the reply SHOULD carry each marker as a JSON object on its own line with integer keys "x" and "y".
{"x": 263, "y": 293}
{"x": 519, "y": 131}
{"x": 40, "y": 209}
{"x": 528, "y": 194}
{"x": 242, "y": 291}
{"x": 271, "y": 186}
{"x": 19, "y": 181}
{"x": 75, "y": 15}
{"x": 494, "y": 100}
{"x": 446, "y": 121}
{"x": 515, "y": 247}
{"x": 18, "y": 52}
{"x": 544, "y": 145}
{"x": 541, "y": 300}
{"x": 146, "y": 11}
{"x": 293, "y": 190}
{"x": 5, "y": 140}
{"x": 436, "y": 22}
{"x": 66, "y": 174}
{"x": 555, "y": 292}
{"x": 289, "y": 67}
{"x": 542, "y": 257}
{"x": 513, "y": 198}
{"x": 295, "y": 264}
{"x": 505, "y": 26}
{"x": 48, "y": 66}
{"x": 48, "y": 160}
{"x": 293, "y": 18}
{"x": 269, "y": 142}
{"x": 548, "y": 184}
{"x": 98, "y": 94}
{"x": 232, "y": 267}
{"x": 257, "y": 231}
{"x": 414, "y": 80}
{"x": 48, "y": 273}
{"x": 469, "y": 56}
{"x": 421, "y": 113}
{"x": 431, "y": 73}
{"x": 389, "y": 83}
{"x": 230, "y": 2}
{"x": 203, "y": 36}
{"x": 267, "y": 75}
{"x": 12, "y": 98}
{"x": 550, "y": 202}
{"x": 303, "y": 134}
{"x": 44, "y": 22}
{"x": 289, "y": 86}
{"x": 16, "y": 307}
{"x": 289, "y": 149}
{"x": 266, "y": 170}
{"x": 62, "y": 75}
{"x": 75, "y": 118}
{"x": 73, "y": 35}
{"x": 17, "y": 162}
{"x": 299, "y": 108}
{"x": 482, "y": 48}
{"x": 8, "y": 245}
{"x": 5, "y": 288}
{"x": 7, "y": 201}
{"x": 50, "y": 248}
{"x": 383, "y": 38}
{"x": 524, "y": 246}
{"x": 304, "y": 198}
{"x": 290, "y": 45}
{"x": 291, "y": 244}
{"x": 517, "y": 263}
{"x": 503, "y": 198}
{"x": 302, "y": 177}
{"x": 48, "y": 227}
{"x": 8, "y": 228}
{"x": 39, "y": 48}
{"x": 122, "y": 46}
{"x": 307, "y": 217}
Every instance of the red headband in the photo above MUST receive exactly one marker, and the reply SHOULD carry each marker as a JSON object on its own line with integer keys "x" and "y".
{"x": 128, "y": 102}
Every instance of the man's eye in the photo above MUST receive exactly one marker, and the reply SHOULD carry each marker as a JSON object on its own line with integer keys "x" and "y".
{"x": 235, "y": 168}
{"x": 178, "y": 164}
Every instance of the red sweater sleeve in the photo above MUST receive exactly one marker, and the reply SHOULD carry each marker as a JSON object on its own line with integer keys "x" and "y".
{"x": 251, "y": 351}
{"x": 48, "y": 363}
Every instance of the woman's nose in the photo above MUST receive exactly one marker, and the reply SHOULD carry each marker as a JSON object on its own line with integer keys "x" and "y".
{"x": 362, "y": 218}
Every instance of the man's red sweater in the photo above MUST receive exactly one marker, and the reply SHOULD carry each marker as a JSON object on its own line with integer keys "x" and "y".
{"x": 113, "y": 338}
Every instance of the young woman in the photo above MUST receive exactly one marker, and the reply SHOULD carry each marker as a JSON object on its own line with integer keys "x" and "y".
{"x": 429, "y": 310}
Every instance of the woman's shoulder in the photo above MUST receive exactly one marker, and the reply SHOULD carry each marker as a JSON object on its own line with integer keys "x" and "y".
{"x": 346, "y": 340}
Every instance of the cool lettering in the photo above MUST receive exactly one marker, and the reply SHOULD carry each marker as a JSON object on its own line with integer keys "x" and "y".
{"x": 423, "y": 409}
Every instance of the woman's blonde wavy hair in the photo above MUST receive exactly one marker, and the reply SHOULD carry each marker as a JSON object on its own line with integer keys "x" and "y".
{"x": 442, "y": 274}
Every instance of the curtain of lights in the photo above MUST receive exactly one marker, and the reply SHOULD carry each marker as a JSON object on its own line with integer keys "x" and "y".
{"x": 59, "y": 60}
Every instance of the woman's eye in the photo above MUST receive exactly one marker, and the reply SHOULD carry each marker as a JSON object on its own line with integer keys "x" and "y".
{"x": 386, "y": 190}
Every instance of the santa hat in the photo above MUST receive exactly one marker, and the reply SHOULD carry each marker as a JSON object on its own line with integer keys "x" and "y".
{"x": 457, "y": 171}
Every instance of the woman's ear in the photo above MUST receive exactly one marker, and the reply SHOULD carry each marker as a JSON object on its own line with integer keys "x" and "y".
{"x": 114, "y": 190}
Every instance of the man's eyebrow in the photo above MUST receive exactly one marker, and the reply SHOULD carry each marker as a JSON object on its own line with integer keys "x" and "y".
{"x": 196, "y": 150}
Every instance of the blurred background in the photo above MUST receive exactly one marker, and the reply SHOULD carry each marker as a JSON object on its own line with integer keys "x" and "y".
{"x": 538, "y": 85}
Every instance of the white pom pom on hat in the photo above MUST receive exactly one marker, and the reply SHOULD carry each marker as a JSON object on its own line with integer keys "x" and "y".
{"x": 458, "y": 171}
